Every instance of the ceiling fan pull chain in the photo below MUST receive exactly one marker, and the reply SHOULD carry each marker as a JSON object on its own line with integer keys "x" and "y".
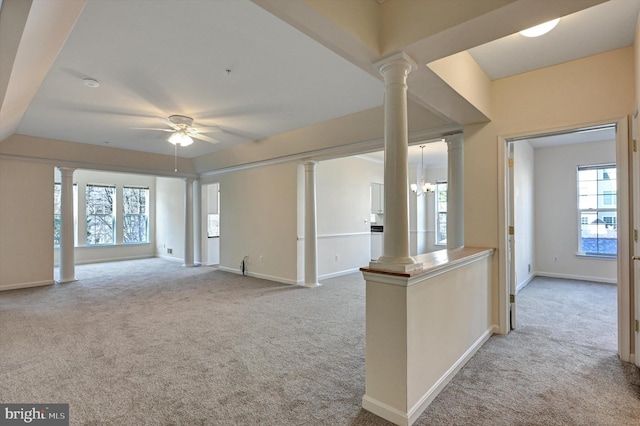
{"x": 175, "y": 158}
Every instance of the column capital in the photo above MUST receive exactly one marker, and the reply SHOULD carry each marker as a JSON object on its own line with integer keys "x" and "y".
{"x": 189, "y": 179}
{"x": 64, "y": 169}
{"x": 310, "y": 164}
{"x": 397, "y": 60}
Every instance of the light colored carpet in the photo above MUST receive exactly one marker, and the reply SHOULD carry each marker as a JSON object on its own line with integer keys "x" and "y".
{"x": 151, "y": 342}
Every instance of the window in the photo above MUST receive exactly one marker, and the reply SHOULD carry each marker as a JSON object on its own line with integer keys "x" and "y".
{"x": 100, "y": 219}
{"x": 57, "y": 187}
{"x": 136, "y": 215}
{"x": 213, "y": 225}
{"x": 441, "y": 213}
{"x": 213, "y": 218}
{"x": 597, "y": 202}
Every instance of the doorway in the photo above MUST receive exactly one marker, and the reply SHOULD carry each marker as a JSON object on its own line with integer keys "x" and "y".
{"x": 559, "y": 230}
{"x": 211, "y": 224}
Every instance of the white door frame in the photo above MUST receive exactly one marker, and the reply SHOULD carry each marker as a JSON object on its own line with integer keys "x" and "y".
{"x": 625, "y": 301}
{"x": 512, "y": 283}
{"x": 634, "y": 161}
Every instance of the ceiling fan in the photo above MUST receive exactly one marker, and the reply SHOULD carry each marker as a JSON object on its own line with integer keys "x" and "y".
{"x": 183, "y": 132}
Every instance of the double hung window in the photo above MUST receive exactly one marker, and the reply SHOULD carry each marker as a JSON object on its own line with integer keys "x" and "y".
{"x": 441, "y": 213}
{"x": 136, "y": 215}
{"x": 100, "y": 205}
{"x": 597, "y": 208}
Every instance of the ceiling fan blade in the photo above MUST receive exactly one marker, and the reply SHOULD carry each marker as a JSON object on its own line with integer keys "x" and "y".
{"x": 210, "y": 129}
{"x": 204, "y": 138}
{"x": 149, "y": 128}
{"x": 169, "y": 123}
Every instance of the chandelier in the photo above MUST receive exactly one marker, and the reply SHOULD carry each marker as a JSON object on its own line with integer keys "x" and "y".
{"x": 424, "y": 187}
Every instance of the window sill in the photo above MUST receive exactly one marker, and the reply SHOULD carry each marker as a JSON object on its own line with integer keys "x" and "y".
{"x": 597, "y": 256}
{"x": 106, "y": 245}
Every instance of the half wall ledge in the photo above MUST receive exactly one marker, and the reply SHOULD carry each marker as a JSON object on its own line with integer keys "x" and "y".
{"x": 422, "y": 327}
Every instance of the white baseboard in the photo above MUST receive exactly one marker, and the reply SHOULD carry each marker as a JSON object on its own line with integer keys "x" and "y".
{"x": 115, "y": 259}
{"x": 338, "y": 274}
{"x": 26, "y": 285}
{"x": 258, "y": 275}
{"x": 175, "y": 259}
{"x": 398, "y": 417}
{"x": 576, "y": 277}
{"x": 385, "y": 411}
{"x": 524, "y": 283}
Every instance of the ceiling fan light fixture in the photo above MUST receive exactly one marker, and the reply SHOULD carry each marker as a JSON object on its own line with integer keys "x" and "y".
{"x": 541, "y": 29}
{"x": 180, "y": 138}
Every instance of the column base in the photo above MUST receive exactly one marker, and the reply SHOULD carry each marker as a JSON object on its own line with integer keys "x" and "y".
{"x": 190, "y": 265}
{"x": 66, "y": 280}
{"x": 403, "y": 265}
{"x": 311, "y": 285}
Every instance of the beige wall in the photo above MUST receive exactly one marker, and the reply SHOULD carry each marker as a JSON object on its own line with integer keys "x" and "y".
{"x": 107, "y": 158}
{"x": 556, "y": 219}
{"x": 523, "y": 212}
{"x": 170, "y": 196}
{"x": 589, "y": 90}
{"x": 258, "y": 217}
{"x": 26, "y": 224}
{"x": 343, "y": 213}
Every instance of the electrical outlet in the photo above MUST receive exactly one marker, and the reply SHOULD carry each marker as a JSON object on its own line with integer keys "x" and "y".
{"x": 336, "y": 257}
{"x": 170, "y": 251}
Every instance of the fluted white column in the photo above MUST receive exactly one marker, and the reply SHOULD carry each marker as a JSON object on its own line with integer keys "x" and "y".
{"x": 197, "y": 222}
{"x": 188, "y": 222}
{"x": 455, "y": 193}
{"x": 310, "y": 226}
{"x": 396, "y": 256}
{"x": 67, "y": 253}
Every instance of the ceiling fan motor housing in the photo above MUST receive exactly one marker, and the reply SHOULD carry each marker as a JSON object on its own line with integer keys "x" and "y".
{"x": 181, "y": 120}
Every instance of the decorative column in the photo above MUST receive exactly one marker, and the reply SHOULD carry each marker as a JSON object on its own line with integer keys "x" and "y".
{"x": 188, "y": 222}
{"x": 455, "y": 193}
{"x": 396, "y": 257}
{"x": 310, "y": 226}
{"x": 67, "y": 254}
{"x": 197, "y": 222}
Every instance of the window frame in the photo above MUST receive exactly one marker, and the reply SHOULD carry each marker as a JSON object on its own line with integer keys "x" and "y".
{"x": 439, "y": 213}
{"x": 599, "y": 225}
{"x": 144, "y": 216}
{"x": 112, "y": 215}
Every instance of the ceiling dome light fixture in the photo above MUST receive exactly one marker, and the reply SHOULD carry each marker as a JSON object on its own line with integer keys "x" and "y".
{"x": 180, "y": 138}
{"x": 541, "y": 29}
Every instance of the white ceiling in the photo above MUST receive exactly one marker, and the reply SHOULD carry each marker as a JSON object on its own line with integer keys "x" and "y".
{"x": 157, "y": 58}
{"x": 600, "y": 28}
{"x": 599, "y": 134}
{"x": 154, "y": 59}
{"x": 434, "y": 154}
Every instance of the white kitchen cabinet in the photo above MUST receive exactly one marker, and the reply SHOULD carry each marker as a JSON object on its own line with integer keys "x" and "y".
{"x": 377, "y": 198}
